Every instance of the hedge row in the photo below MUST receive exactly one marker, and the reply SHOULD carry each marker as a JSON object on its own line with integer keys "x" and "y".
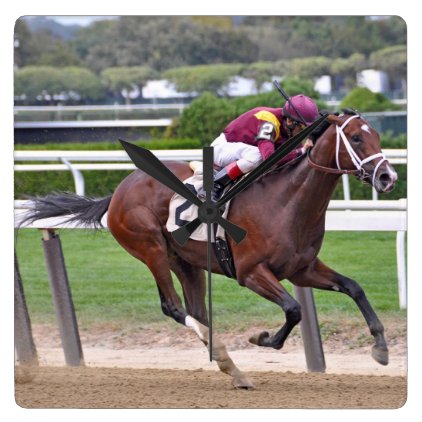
{"x": 104, "y": 182}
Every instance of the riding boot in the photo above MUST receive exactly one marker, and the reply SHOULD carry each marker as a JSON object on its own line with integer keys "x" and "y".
{"x": 224, "y": 178}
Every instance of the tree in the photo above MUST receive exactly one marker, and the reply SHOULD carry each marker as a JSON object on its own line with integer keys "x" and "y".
{"x": 119, "y": 78}
{"x": 363, "y": 99}
{"x": 44, "y": 82}
{"x": 260, "y": 72}
{"x": 348, "y": 68}
{"x": 310, "y": 67}
{"x": 161, "y": 42}
{"x": 392, "y": 60}
{"x": 23, "y": 44}
{"x": 34, "y": 81}
{"x": 95, "y": 45}
{"x": 203, "y": 78}
{"x": 205, "y": 118}
{"x": 42, "y": 48}
{"x": 59, "y": 54}
{"x": 164, "y": 42}
{"x": 331, "y": 36}
{"x": 83, "y": 82}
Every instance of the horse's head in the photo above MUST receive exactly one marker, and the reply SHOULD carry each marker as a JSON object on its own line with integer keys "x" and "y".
{"x": 349, "y": 145}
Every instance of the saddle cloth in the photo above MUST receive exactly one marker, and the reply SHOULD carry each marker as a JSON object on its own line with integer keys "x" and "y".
{"x": 182, "y": 211}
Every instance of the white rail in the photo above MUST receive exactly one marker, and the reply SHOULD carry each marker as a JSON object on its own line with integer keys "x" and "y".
{"x": 395, "y": 156}
{"x": 105, "y": 156}
{"x": 119, "y": 160}
{"x": 81, "y": 124}
{"x": 113, "y": 107}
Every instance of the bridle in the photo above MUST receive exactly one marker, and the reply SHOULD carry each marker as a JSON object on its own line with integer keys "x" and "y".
{"x": 359, "y": 172}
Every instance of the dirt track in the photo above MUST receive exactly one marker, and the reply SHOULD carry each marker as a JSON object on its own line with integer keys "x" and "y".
{"x": 154, "y": 388}
{"x": 126, "y": 373}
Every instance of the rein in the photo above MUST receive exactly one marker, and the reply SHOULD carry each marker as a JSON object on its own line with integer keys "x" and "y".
{"x": 360, "y": 172}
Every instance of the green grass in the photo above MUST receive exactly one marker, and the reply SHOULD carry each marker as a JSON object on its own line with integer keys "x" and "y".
{"x": 110, "y": 286}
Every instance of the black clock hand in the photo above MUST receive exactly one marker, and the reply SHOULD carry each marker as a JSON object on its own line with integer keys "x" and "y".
{"x": 184, "y": 232}
{"x": 208, "y": 164}
{"x": 150, "y": 164}
{"x": 235, "y": 232}
{"x": 212, "y": 216}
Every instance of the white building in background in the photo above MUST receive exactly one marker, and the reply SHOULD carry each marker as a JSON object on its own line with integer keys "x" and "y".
{"x": 323, "y": 85}
{"x": 239, "y": 87}
{"x": 163, "y": 89}
{"x": 375, "y": 80}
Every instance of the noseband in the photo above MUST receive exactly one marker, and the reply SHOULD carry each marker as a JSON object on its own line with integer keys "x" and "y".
{"x": 360, "y": 172}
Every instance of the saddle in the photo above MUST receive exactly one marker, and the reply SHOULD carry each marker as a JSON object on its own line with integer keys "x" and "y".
{"x": 182, "y": 212}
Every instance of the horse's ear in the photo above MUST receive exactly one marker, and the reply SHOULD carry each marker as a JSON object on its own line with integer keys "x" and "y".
{"x": 333, "y": 118}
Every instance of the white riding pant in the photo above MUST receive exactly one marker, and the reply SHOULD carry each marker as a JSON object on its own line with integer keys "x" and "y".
{"x": 247, "y": 156}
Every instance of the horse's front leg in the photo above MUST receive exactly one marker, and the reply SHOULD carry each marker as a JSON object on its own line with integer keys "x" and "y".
{"x": 263, "y": 282}
{"x": 192, "y": 280}
{"x": 318, "y": 275}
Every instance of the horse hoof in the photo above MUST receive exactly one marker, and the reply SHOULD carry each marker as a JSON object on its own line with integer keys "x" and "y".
{"x": 260, "y": 339}
{"x": 380, "y": 355}
{"x": 243, "y": 383}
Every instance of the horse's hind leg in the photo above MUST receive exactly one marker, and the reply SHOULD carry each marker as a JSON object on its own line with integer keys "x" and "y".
{"x": 141, "y": 235}
{"x": 320, "y": 276}
{"x": 193, "y": 284}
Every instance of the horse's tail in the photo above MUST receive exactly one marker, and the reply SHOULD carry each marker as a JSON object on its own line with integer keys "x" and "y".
{"x": 80, "y": 209}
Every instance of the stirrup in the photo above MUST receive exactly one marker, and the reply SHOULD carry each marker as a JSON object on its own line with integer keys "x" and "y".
{"x": 217, "y": 192}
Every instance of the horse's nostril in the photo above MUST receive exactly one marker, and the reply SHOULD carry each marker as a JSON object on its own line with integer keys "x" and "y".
{"x": 385, "y": 178}
{"x": 386, "y": 181}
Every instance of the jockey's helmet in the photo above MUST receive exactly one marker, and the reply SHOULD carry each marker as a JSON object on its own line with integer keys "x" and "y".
{"x": 304, "y": 105}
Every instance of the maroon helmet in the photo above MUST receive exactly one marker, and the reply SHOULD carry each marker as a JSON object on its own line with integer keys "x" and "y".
{"x": 301, "y": 109}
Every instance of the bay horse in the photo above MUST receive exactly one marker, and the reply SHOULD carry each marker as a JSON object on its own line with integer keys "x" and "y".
{"x": 292, "y": 201}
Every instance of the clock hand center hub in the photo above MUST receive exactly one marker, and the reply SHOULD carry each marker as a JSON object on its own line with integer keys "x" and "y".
{"x": 208, "y": 212}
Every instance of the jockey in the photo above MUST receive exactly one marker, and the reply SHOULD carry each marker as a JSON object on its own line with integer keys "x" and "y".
{"x": 254, "y": 136}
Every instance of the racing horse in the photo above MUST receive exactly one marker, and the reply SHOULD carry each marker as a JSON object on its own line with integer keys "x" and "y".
{"x": 294, "y": 198}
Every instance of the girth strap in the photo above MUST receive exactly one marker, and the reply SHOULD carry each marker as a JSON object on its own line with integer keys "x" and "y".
{"x": 224, "y": 255}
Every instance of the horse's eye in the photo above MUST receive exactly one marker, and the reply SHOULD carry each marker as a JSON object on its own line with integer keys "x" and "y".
{"x": 356, "y": 138}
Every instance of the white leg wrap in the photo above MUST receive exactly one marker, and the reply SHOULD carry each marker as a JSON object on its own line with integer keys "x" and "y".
{"x": 219, "y": 354}
{"x": 200, "y": 329}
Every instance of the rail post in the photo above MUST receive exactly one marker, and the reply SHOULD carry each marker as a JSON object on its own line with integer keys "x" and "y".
{"x": 401, "y": 267}
{"x": 24, "y": 343}
{"x": 78, "y": 178}
{"x": 314, "y": 353}
{"x": 62, "y": 298}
